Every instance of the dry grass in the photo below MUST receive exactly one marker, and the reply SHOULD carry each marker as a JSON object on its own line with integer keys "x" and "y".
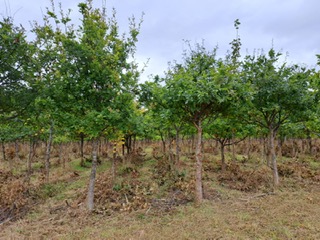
{"x": 283, "y": 215}
{"x": 239, "y": 205}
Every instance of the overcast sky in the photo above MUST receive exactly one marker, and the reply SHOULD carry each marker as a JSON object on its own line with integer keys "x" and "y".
{"x": 290, "y": 26}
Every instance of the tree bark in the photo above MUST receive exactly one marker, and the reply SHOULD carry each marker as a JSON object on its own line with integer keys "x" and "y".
{"x": 81, "y": 149}
{"x": 113, "y": 168}
{"x": 273, "y": 157}
{"x": 177, "y": 146}
{"x": 3, "y": 151}
{"x": 223, "y": 162}
{"x": 163, "y": 141}
{"x": 48, "y": 151}
{"x": 199, "y": 190}
{"x": 30, "y": 157}
{"x": 249, "y": 149}
{"x": 233, "y": 147}
{"x": 16, "y": 150}
{"x": 309, "y": 142}
{"x": 90, "y": 203}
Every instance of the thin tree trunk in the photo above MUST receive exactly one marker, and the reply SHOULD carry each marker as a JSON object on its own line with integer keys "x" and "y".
{"x": 249, "y": 149}
{"x": 3, "y": 151}
{"x": 273, "y": 157}
{"x": 171, "y": 157}
{"x": 233, "y": 147}
{"x": 123, "y": 146}
{"x": 90, "y": 203}
{"x": 134, "y": 143}
{"x": 81, "y": 149}
{"x": 309, "y": 143}
{"x": 48, "y": 151}
{"x": 309, "y": 139}
{"x": 30, "y": 157}
{"x": 177, "y": 146}
{"x": 129, "y": 146}
{"x": 267, "y": 145}
{"x": 223, "y": 162}
{"x": 199, "y": 190}
{"x": 113, "y": 168}
{"x": 163, "y": 141}
{"x": 293, "y": 149}
{"x": 16, "y": 150}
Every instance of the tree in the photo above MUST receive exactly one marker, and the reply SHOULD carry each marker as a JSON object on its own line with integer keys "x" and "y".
{"x": 228, "y": 131}
{"x": 200, "y": 87}
{"x": 17, "y": 85}
{"x": 279, "y": 93}
{"x": 94, "y": 73}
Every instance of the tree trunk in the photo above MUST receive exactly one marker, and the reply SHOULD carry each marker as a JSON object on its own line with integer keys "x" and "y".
{"x": 273, "y": 157}
{"x": 171, "y": 157}
{"x": 122, "y": 147}
{"x": 199, "y": 190}
{"x": 113, "y": 168}
{"x": 293, "y": 149}
{"x": 163, "y": 141}
{"x": 128, "y": 144}
{"x": 3, "y": 151}
{"x": 309, "y": 139}
{"x": 81, "y": 149}
{"x": 177, "y": 146}
{"x": 267, "y": 151}
{"x": 48, "y": 151}
{"x": 223, "y": 162}
{"x": 309, "y": 142}
{"x": 233, "y": 147}
{"x": 16, "y": 150}
{"x": 249, "y": 149}
{"x": 92, "y": 175}
{"x": 134, "y": 142}
{"x": 30, "y": 157}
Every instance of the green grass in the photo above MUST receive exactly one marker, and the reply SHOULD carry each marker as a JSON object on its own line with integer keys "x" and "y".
{"x": 76, "y": 166}
{"x": 314, "y": 165}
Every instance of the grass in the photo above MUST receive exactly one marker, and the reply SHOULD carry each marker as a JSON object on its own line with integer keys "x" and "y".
{"x": 291, "y": 212}
{"x": 266, "y": 218}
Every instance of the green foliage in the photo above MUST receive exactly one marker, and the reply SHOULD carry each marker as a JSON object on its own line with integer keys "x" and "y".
{"x": 87, "y": 78}
{"x": 201, "y": 86}
{"x": 278, "y": 92}
{"x": 17, "y": 85}
{"x": 49, "y": 190}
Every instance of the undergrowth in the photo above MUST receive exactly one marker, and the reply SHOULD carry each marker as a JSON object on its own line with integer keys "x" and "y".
{"x": 152, "y": 199}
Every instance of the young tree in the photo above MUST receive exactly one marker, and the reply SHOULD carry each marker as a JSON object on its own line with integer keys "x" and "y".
{"x": 200, "y": 87}
{"x": 94, "y": 73}
{"x": 279, "y": 93}
{"x": 228, "y": 131}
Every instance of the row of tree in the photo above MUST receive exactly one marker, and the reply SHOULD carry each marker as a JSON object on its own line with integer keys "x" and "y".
{"x": 76, "y": 82}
